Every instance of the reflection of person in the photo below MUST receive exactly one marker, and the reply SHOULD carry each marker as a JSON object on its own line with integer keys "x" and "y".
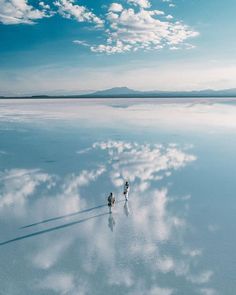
{"x": 126, "y": 190}
{"x": 111, "y": 201}
{"x": 126, "y": 208}
{"x": 111, "y": 222}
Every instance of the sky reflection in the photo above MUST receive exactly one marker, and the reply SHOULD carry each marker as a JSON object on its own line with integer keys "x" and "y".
{"x": 126, "y": 249}
{"x": 57, "y": 235}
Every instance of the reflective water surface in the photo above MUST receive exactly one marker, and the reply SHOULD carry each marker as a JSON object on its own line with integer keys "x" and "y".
{"x": 59, "y": 160}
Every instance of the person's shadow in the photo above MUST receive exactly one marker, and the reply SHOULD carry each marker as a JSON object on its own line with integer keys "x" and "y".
{"x": 111, "y": 222}
{"x": 65, "y": 225}
{"x": 51, "y": 229}
{"x": 126, "y": 208}
{"x": 67, "y": 215}
{"x": 63, "y": 216}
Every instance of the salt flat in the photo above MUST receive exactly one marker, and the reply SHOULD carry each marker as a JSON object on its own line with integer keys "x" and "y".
{"x": 59, "y": 160}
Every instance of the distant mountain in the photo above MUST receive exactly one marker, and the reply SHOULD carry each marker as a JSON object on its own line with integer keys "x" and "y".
{"x": 125, "y": 92}
{"x": 116, "y": 91}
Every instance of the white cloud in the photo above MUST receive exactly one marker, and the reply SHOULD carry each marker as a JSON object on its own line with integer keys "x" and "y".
{"x": 68, "y": 199}
{"x": 150, "y": 216}
{"x": 208, "y": 291}
{"x": 19, "y": 184}
{"x": 151, "y": 224}
{"x": 140, "y": 289}
{"x": 49, "y": 254}
{"x": 169, "y": 16}
{"x": 60, "y": 283}
{"x": 160, "y": 291}
{"x": 20, "y": 12}
{"x": 68, "y": 9}
{"x": 120, "y": 278}
{"x": 142, "y": 162}
{"x": 81, "y": 42}
{"x": 83, "y": 179}
{"x": 201, "y": 278}
{"x": 192, "y": 252}
{"x": 130, "y": 30}
{"x": 116, "y": 7}
{"x": 43, "y": 5}
{"x": 156, "y": 225}
{"x": 118, "y": 47}
{"x": 166, "y": 264}
{"x": 141, "y": 3}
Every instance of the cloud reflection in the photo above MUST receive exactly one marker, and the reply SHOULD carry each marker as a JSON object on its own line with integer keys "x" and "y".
{"x": 20, "y": 184}
{"x": 142, "y": 162}
{"x": 134, "y": 254}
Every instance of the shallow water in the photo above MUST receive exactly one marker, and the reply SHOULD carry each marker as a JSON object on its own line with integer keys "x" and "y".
{"x": 59, "y": 160}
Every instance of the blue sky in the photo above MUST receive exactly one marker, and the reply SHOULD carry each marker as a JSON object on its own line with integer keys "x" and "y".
{"x": 67, "y": 46}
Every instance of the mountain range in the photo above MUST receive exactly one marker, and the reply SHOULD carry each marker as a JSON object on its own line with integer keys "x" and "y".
{"x": 125, "y": 92}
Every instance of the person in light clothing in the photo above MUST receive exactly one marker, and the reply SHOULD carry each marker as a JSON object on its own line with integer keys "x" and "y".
{"x": 126, "y": 190}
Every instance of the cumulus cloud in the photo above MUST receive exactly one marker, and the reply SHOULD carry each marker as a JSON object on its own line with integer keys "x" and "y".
{"x": 169, "y": 16}
{"x": 121, "y": 278}
{"x": 83, "y": 179}
{"x": 192, "y": 252}
{"x": 116, "y": 7}
{"x": 208, "y": 291}
{"x": 152, "y": 223}
{"x": 134, "y": 27}
{"x": 60, "y": 283}
{"x": 151, "y": 217}
{"x": 141, "y": 3}
{"x": 130, "y": 30}
{"x": 68, "y": 9}
{"x": 49, "y": 254}
{"x": 160, "y": 291}
{"x": 19, "y": 184}
{"x": 68, "y": 198}
{"x": 156, "y": 219}
{"x": 142, "y": 162}
{"x": 20, "y": 12}
{"x": 200, "y": 278}
{"x": 44, "y": 5}
{"x": 166, "y": 264}
{"x": 81, "y": 42}
{"x": 153, "y": 290}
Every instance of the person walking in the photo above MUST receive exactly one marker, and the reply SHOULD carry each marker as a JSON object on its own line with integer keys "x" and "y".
{"x": 111, "y": 201}
{"x": 126, "y": 190}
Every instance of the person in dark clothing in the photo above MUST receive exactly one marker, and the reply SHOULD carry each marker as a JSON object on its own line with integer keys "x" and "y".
{"x": 111, "y": 201}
